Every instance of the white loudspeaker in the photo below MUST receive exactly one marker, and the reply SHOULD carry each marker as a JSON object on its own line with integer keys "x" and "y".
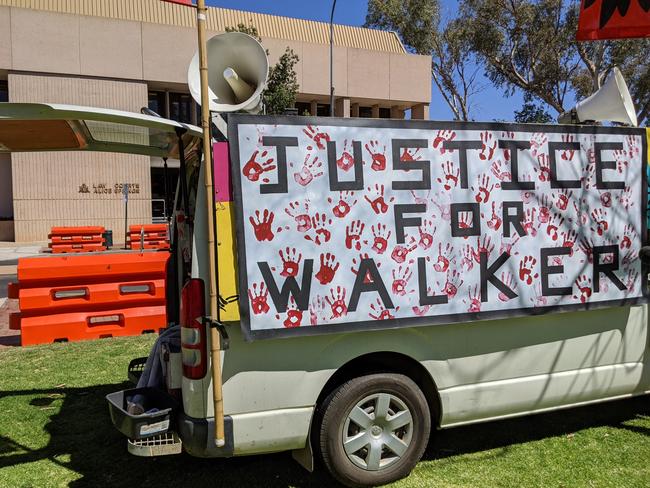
{"x": 237, "y": 73}
{"x": 611, "y": 102}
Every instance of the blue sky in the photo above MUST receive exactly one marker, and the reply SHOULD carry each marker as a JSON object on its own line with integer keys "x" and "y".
{"x": 490, "y": 104}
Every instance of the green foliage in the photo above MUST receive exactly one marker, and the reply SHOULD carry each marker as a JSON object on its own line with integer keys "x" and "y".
{"x": 282, "y": 86}
{"x": 420, "y": 27}
{"x": 530, "y": 45}
{"x": 532, "y": 112}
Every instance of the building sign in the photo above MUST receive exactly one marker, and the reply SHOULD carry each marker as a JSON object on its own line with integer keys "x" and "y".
{"x": 117, "y": 189}
{"x": 613, "y": 19}
{"x": 366, "y": 224}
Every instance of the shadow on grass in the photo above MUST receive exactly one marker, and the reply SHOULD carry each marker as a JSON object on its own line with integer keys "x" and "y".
{"x": 492, "y": 435}
{"x": 81, "y": 433}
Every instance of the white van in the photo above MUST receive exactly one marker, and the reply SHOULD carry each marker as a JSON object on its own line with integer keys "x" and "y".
{"x": 476, "y": 272}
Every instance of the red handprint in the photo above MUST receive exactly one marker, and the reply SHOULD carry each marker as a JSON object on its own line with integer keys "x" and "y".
{"x": 509, "y": 280}
{"x": 631, "y": 279}
{"x": 485, "y": 247}
{"x": 441, "y": 137}
{"x": 294, "y": 316}
{"x": 377, "y": 203}
{"x": 568, "y": 239}
{"x": 599, "y": 218}
{"x": 554, "y": 225}
{"x": 344, "y": 204}
{"x": 526, "y": 266}
{"x": 353, "y": 234}
{"x": 381, "y": 235}
{"x": 529, "y": 222}
{"x": 584, "y": 287}
{"x": 489, "y": 145}
{"x": 467, "y": 262}
{"x": 328, "y": 267}
{"x": 378, "y": 157}
{"x": 537, "y": 143}
{"x": 317, "y": 314}
{"x": 452, "y": 283}
{"x": 410, "y": 155}
{"x": 379, "y": 312}
{"x": 474, "y": 300}
{"x": 626, "y": 198}
{"x": 545, "y": 210}
{"x": 500, "y": 170}
{"x": 622, "y": 161}
{"x": 629, "y": 235}
{"x": 495, "y": 221}
{"x": 401, "y": 278}
{"x": 567, "y": 154}
{"x": 539, "y": 300}
{"x": 401, "y": 251}
{"x": 444, "y": 257}
{"x": 606, "y": 199}
{"x": 337, "y": 302}
{"x": 311, "y": 168}
{"x": 259, "y": 298}
{"x": 527, "y": 195}
{"x": 563, "y": 198}
{"x": 254, "y": 169}
{"x": 262, "y": 225}
{"x": 356, "y": 265}
{"x": 450, "y": 178}
{"x": 321, "y": 225}
{"x": 544, "y": 167}
{"x": 300, "y": 214}
{"x": 290, "y": 261}
{"x": 319, "y": 138}
{"x": 484, "y": 188}
{"x": 587, "y": 247}
{"x": 426, "y": 230}
{"x": 346, "y": 161}
{"x": 507, "y": 244}
{"x": 465, "y": 221}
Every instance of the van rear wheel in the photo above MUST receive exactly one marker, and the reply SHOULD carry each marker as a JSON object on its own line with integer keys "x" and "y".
{"x": 374, "y": 429}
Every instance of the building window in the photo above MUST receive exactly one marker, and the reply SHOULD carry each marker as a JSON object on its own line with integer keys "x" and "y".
{"x": 175, "y": 106}
{"x": 384, "y": 113}
{"x": 304, "y": 108}
{"x": 365, "y": 112}
{"x": 323, "y": 110}
{"x": 4, "y": 91}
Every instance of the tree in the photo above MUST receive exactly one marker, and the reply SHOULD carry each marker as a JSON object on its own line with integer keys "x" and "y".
{"x": 530, "y": 45}
{"x": 532, "y": 112}
{"x": 418, "y": 24}
{"x": 282, "y": 86}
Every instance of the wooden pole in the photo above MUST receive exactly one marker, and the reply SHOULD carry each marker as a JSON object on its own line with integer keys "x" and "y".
{"x": 215, "y": 338}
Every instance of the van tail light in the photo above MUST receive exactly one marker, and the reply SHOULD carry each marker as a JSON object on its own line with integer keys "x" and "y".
{"x": 194, "y": 347}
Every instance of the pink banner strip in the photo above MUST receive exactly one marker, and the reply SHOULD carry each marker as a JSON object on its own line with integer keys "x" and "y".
{"x": 222, "y": 192}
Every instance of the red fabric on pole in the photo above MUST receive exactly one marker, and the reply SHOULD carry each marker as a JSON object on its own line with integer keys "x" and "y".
{"x": 613, "y": 19}
{"x": 180, "y": 2}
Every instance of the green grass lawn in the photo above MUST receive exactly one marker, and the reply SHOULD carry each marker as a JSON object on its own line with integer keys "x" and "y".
{"x": 55, "y": 431}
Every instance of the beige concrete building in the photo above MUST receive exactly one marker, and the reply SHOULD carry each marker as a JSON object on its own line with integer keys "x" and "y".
{"x": 126, "y": 54}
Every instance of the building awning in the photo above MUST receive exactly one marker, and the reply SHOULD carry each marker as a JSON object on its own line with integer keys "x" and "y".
{"x": 28, "y": 127}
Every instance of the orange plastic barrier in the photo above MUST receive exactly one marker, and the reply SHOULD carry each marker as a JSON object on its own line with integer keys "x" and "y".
{"x": 78, "y": 297}
{"x": 152, "y": 236}
{"x": 77, "y": 239}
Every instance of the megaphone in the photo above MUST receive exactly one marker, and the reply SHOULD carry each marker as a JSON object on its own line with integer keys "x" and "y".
{"x": 237, "y": 73}
{"x": 611, "y": 102}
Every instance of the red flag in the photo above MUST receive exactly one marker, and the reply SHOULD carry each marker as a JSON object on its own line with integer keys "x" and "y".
{"x": 181, "y": 2}
{"x": 613, "y": 19}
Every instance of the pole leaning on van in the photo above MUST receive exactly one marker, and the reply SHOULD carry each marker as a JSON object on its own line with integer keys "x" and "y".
{"x": 215, "y": 338}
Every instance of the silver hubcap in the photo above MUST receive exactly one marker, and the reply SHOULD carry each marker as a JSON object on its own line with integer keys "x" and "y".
{"x": 377, "y": 431}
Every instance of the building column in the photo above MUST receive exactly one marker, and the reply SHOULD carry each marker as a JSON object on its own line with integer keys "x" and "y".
{"x": 396, "y": 112}
{"x": 342, "y": 107}
{"x": 354, "y": 110}
{"x": 375, "y": 111}
{"x": 420, "y": 111}
{"x": 313, "y": 109}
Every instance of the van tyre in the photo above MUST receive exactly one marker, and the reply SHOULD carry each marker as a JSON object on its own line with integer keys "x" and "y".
{"x": 374, "y": 429}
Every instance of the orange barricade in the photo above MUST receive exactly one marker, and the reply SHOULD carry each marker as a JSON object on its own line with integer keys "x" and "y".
{"x": 72, "y": 298}
{"x": 77, "y": 239}
{"x": 152, "y": 236}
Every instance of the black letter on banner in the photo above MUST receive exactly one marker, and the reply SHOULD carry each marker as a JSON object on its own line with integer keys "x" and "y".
{"x": 423, "y": 286}
{"x": 606, "y": 268}
{"x": 424, "y": 166}
{"x": 514, "y": 220}
{"x": 400, "y": 222}
{"x": 487, "y": 274}
{"x": 514, "y": 147}
{"x": 332, "y": 169}
{"x": 601, "y": 165}
{"x": 475, "y": 229}
{"x": 463, "y": 147}
{"x": 290, "y": 287}
{"x": 553, "y": 148}
{"x": 367, "y": 268}
{"x": 281, "y": 144}
{"x": 544, "y": 254}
